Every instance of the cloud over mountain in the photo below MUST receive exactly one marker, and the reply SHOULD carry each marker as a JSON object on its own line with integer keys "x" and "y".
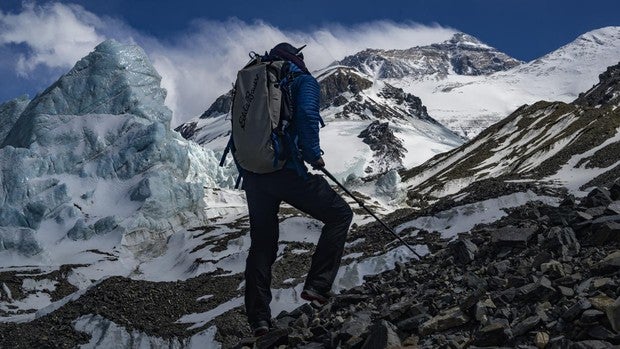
{"x": 199, "y": 64}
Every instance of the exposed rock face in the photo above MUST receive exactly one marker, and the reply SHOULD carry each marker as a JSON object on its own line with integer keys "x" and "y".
{"x": 388, "y": 149}
{"x": 221, "y": 106}
{"x": 544, "y": 141}
{"x": 342, "y": 81}
{"x": 606, "y": 92}
{"x": 463, "y": 55}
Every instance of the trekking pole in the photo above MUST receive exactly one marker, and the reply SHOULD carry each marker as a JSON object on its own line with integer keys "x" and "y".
{"x": 361, "y": 204}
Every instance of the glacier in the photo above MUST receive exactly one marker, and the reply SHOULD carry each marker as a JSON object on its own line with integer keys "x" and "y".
{"x": 94, "y": 154}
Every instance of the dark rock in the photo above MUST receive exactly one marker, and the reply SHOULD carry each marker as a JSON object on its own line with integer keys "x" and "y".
{"x": 526, "y": 325}
{"x": 591, "y": 316}
{"x": 491, "y": 335}
{"x": 474, "y": 281}
{"x": 319, "y": 331}
{"x": 382, "y": 336}
{"x": 512, "y": 235}
{"x": 613, "y": 209}
{"x": 356, "y": 326}
{"x": 344, "y": 300}
{"x": 614, "y": 191}
{"x": 583, "y": 216}
{"x": 286, "y": 321}
{"x": 471, "y": 300}
{"x": 576, "y": 309}
{"x": 601, "y": 332}
{"x": 499, "y": 268}
{"x": 301, "y": 322}
{"x": 552, "y": 268}
{"x": 541, "y": 290}
{"x": 450, "y": 318}
{"x": 509, "y": 294}
{"x": 411, "y": 324}
{"x": 597, "y": 197}
{"x": 566, "y": 291}
{"x": 563, "y": 238}
{"x": 601, "y": 302}
{"x": 613, "y": 314}
{"x": 596, "y": 211}
{"x": 542, "y": 257}
{"x": 306, "y": 308}
{"x": 464, "y": 250}
{"x": 602, "y": 233}
{"x": 403, "y": 309}
{"x": 272, "y": 339}
{"x": 610, "y": 262}
{"x": 591, "y": 344}
{"x": 569, "y": 201}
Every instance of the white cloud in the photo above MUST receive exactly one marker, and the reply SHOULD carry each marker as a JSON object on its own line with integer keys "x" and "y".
{"x": 201, "y": 64}
{"x": 57, "y": 35}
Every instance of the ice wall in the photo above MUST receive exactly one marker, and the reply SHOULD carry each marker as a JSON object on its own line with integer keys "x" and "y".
{"x": 94, "y": 154}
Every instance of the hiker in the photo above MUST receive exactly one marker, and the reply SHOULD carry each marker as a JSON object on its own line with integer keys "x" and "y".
{"x": 294, "y": 185}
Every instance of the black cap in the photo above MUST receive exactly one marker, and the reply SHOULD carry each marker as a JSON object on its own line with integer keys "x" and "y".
{"x": 285, "y": 49}
{"x": 290, "y": 53}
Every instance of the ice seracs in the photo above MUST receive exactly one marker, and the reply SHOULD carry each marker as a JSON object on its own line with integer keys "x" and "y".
{"x": 94, "y": 155}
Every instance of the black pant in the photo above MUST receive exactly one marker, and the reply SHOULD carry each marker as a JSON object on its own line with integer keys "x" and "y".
{"x": 312, "y": 195}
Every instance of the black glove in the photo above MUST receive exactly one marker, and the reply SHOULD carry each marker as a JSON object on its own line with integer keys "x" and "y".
{"x": 318, "y": 164}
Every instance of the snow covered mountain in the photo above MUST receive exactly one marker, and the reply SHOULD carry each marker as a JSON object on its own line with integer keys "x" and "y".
{"x": 468, "y": 86}
{"x": 118, "y": 233}
{"x": 573, "y": 145}
{"x": 353, "y": 105}
{"x": 461, "y": 55}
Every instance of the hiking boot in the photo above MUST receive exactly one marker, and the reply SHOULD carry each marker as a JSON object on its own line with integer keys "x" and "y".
{"x": 314, "y": 296}
{"x": 260, "y": 328}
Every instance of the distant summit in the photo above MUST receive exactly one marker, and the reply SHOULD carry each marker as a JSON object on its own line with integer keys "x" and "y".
{"x": 463, "y": 54}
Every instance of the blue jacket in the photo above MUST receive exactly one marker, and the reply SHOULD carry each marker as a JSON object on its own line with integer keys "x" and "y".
{"x": 306, "y": 94}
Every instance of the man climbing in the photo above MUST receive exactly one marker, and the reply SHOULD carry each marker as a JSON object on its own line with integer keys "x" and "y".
{"x": 307, "y": 192}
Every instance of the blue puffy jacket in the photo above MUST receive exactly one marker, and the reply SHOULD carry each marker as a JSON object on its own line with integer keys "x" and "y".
{"x": 306, "y": 94}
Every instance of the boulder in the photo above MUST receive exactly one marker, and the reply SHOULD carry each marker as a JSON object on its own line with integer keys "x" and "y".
{"x": 464, "y": 250}
{"x": 613, "y": 314}
{"x": 597, "y": 197}
{"x": 512, "y": 235}
{"x": 382, "y": 336}
{"x": 450, "y": 318}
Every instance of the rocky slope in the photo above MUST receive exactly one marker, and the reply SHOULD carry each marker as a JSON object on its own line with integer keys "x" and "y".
{"x": 572, "y": 145}
{"x": 543, "y": 276}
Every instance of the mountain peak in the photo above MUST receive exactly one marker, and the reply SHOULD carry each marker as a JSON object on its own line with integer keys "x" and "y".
{"x": 462, "y": 54}
{"x": 113, "y": 79}
{"x": 460, "y": 39}
{"x": 601, "y": 36}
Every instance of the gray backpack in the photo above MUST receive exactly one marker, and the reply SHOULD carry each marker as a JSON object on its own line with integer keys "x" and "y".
{"x": 261, "y": 112}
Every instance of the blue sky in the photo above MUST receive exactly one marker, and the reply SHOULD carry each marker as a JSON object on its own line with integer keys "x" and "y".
{"x": 176, "y": 34}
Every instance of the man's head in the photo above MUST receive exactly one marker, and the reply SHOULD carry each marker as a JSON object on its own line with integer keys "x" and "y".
{"x": 290, "y": 53}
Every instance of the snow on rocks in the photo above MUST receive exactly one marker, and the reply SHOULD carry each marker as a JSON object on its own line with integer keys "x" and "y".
{"x": 506, "y": 295}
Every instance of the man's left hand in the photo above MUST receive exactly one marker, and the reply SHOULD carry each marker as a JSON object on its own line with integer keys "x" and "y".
{"x": 318, "y": 164}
